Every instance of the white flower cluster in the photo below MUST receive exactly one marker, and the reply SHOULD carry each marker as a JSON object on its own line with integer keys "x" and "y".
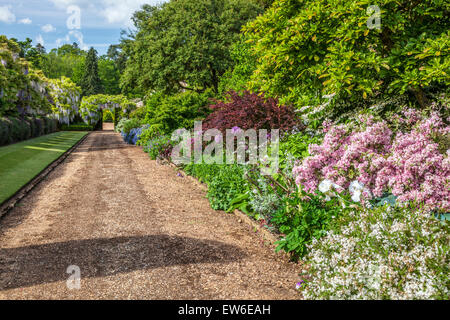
{"x": 381, "y": 254}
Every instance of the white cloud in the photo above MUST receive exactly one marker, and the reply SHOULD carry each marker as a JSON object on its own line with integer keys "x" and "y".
{"x": 78, "y": 38}
{"x": 40, "y": 40}
{"x": 113, "y": 11}
{"x": 25, "y": 21}
{"x": 48, "y": 28}
{"x": 6, "y": 15}
{"x": 120, "y": 12}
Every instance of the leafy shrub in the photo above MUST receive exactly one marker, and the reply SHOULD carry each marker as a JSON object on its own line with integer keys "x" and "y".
{"x": 108, "y": 116}
{"x": 250, "y": 111}
{"x": 52, "y": 125}
{"x": 165, "y": 114}
{"x": 4, "y": 131}
{"x": 120, "y": 125}
{"x": 225, "y": 186}
{"x": 139, "y": 114}
{"x": 14, "y": 129}
{"x": 385, "y": 253}
{"x": 77, "y": 127}
{"x": 32, "y": 127}
{"x": 225, "y": 182}
{"x": 147, "y": 134}
{"x": 20, "y": 129}
{"x": 299, "y": 216}
{"x": 312, "y": 48}
{"x": 239, "y": 76}
{"x": 133, "y": 134}
{"x": 296, "y": 146}
{"x": 203, "y": 172}
{"x": 302, "y": 219}
{"x": 128, "y": 125}
{"x": 159, "y": 147}
{"x": 40, "y": 126}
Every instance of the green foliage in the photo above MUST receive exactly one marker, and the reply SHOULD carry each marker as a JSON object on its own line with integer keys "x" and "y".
{"x": 120, "y": 125}
{"x": 91, "y": 83}
{"x": 225, "y": 183}
{"x": 128, "y": 125}
{"x": 140, "y": 113}
{"x": 146, "y": 135}
{"x": 15, "y": 129}
{"x": 302, "y": 221}
{"x": 92, "y": 107}
{"x": 165, "y": 114}
{"x": 157, "y": 147}
{"x": 13, "y": 78}
{"x": 109, "y": 76}
{"x": 66, "y": 61}
{"x": 309, "y": 49}
{"x": 238, "y": 77}
{"x": 184, "y": 44}
{"x": 295, "y": 146}
{"x": 108, "y": 116}
{"x": 26, "y": 91}
{"x": 77, "y": 127}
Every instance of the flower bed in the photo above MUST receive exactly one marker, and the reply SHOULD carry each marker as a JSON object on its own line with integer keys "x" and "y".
{"x": 409, "y": 164}
{"x": 387, "y": 253}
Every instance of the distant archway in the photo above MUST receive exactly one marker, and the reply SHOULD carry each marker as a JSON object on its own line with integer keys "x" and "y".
{"x": 108, "y": 120}
{"x": 93, "y": 107}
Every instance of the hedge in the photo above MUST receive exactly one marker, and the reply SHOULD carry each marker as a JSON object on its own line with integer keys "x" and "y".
{"x": 77, "y": 127}
{"x": 18, "y": 129}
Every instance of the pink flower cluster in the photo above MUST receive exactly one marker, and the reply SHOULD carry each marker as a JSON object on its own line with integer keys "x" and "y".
{"x": 408, "y": 165}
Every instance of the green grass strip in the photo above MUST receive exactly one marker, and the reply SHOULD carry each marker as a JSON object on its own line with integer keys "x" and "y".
{"x": 22, "y": 162}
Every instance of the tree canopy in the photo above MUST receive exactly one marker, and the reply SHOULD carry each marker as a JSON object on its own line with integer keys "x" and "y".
{"x": 90, "y": 82}
{"x": 184, "y": 44}
{"x": 308, "y": 49}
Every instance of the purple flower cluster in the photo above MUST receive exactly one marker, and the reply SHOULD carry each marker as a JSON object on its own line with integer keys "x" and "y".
{"x": 133, "y": 136}
{"x": 409, "y": 164}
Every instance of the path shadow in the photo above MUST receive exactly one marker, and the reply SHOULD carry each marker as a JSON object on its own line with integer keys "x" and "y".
{"x": 105, "y": 147}
{"x": 39, "y": 264}
{"x": 105, "y": 140}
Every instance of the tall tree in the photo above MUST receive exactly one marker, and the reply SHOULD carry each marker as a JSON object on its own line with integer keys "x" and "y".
{"x": 90, "y": 82}
{"x": 184, "y": 44}
{"x": 109, "y": 74}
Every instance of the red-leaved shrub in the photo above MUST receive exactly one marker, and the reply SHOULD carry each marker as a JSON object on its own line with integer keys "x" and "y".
{"x": 251, "y": 111}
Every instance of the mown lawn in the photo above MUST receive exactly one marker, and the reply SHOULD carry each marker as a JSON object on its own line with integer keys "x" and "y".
{"x": 21, "y": 162}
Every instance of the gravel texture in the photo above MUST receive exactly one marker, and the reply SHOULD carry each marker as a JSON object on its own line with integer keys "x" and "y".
{"x": 136, "y": 230}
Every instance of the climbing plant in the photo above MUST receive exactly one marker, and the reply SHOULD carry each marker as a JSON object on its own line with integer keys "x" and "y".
{"x": 65, "y": 98}
{"x": 26, "y": 91}
{"x": 92, "y": 107}
{"x": 13, "y": 76}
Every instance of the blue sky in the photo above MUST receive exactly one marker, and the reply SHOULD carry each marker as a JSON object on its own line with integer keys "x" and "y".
{"x": 54, "y": 22}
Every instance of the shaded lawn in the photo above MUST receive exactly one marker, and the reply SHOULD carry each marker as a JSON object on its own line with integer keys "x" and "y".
{"x": 21, "y": 162}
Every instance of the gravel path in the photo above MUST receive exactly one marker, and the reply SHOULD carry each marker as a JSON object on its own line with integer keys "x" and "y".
{"x": 136, "y": 230}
